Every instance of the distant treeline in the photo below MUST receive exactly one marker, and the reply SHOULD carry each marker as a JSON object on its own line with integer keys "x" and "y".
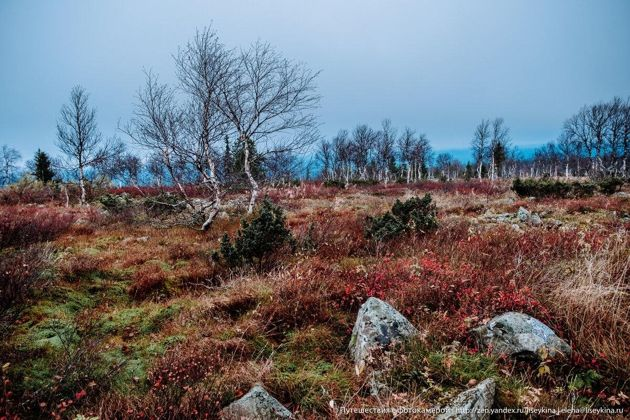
{"x": 239, "y": 118}
{"x": 594, "y": 143}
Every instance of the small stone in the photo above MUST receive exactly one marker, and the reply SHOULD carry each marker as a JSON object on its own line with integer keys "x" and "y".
{"x": 472, "y": 404}
{"x": 523, "y": 214}
{"x": 256, "y": 404}
{"x": 535, "y": 220}
{"x": 503, "y": 218}
{"x": 554, "y": 223}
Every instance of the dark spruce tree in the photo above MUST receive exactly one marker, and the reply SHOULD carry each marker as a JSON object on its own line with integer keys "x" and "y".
{"x": 258, "y": 239}
{"x": 500, "y": 156}
{"x": 43, "y": 167}
{"x": 416, "y": 215}
{"x": 393, "y": 169}
{"x": 470, "y": 172}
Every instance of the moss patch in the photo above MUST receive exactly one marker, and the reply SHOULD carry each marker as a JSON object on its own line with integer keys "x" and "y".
{"x": 309, "y": 384}
{"x": 305, "y": 368}
{"x": 145, "y": 319}
{"x": 134, "y": 362}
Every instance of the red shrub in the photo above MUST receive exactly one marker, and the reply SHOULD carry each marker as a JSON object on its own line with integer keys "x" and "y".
{"x": 463, "y": 187}
{"x": 32, "y": 192}
{"x": 591, "y": 204}
{"x": 317, "y": 190}
{"x": 28, "y": 194}
{"x": 192, "y": 380}
{"x": 307, "y": 294}
{"x": 19, "y": 272}
{"x": 308, "y": 190}
{"x": 191, "y": 191}
{"x": 200, "y": 273}
{"x": 334, "y": 234}
{"x": 75, "y": 266}
{"x": 181, "y": 251}
{"x": 193, "y": 361}
{"x": 147, "y": 280}
{"x": 431, "y": 285}
{"x": 20, "y": 226}
{"x": 465, "y": 279}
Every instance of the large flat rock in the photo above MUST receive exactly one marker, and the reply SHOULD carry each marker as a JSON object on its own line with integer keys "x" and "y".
{"x": 517, "y": 334}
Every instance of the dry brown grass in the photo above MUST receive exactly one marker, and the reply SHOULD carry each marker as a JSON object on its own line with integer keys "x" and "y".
{"x": 289, "y": 327}
{"x": 592, "y": 296}
{"x": 148, "y": 279}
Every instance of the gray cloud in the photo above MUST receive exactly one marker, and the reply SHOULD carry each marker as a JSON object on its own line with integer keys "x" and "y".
{"x": 436, "y": 66}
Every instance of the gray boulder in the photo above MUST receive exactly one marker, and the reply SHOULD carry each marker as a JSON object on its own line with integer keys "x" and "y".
{"x": 523, "y": 214}
{"x": 257, "y": 404}
{"x": 471, "y": 404}
{"x": 520, "y": 335}
{"x": 535, "y": 220}
{"x": 378, "y": 325}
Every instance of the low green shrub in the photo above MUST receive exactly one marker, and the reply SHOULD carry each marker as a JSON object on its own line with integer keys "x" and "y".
{"x": 115, "y": 203}
{"x": 334, "y": 183}
{"x": 163, "y": 204}
{"x": 417, "y": 215}
{"x": 545, "y": 187}
{"x": 363, "y": 182}
{"x": 257, "y": 240}
{"x": 610, "y": 185}
{"x": 582, "y": 189}
{"x": 384, "y": 227}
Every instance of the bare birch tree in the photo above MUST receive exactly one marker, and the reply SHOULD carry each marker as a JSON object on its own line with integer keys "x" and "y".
{"x": 9, "y": 158}
{"x": 405, "y": 147}
{"x": 80, "y": 140}
{"x": 157, "y": 125}
{"x": 325, "y": 157}
{"x": 498, "y": 146}
{"x": 385, "y": 156}
{"x": 269, "y": 102}
{"x": 481, "y": 137}
{"x": 203, "y": 67}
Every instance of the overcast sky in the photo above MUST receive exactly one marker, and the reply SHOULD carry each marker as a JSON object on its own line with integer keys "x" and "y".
{"x": 437, "y": 66}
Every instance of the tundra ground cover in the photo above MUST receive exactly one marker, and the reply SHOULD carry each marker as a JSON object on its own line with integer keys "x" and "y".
{"x": 133, "y": 320}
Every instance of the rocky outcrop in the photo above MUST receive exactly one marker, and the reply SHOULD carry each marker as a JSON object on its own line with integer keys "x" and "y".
{"x": 522, "y": 216}
{"x": 378, "y": 326}
{"x": 525, "y": 216}
{"x": 471, "y": 404}
{"x": 498, "y": 218}
{"x": 257, "y": 404}
{"x": 520, "y": 335}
